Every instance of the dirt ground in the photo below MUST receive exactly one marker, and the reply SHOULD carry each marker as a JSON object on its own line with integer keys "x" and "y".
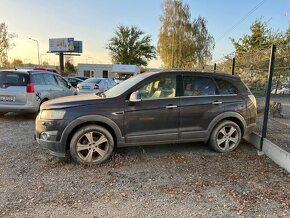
{"x": 185, "y": 180}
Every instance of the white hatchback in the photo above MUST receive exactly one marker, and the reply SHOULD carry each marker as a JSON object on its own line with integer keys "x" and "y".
{"x": 26, "y": 90}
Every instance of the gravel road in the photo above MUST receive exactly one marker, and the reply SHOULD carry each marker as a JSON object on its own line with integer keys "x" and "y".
{"x": 186, "y": 180}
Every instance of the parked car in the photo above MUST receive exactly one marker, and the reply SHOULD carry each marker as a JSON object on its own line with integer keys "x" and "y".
{"x": 95, "y": 85}
{"x": 283, "y": 90}
{"x": 46, "y": 69}
{"x": 81, "y": 77}
{"x": 73, "y": 81}
{"x": 25, "y": 91}
{"x": 150, "y": 108}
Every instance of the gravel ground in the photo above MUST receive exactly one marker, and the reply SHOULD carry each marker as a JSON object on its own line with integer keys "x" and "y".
{"x": 187, "y": 180}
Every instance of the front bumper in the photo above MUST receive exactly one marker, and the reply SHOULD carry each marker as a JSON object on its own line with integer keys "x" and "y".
{"x": 55, "y": 148}
{"x": 47, "y": 134}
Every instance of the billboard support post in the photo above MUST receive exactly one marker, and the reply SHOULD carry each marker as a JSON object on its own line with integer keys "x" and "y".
{"x": 61, "y": 63}
{"x": 65, "y": 46}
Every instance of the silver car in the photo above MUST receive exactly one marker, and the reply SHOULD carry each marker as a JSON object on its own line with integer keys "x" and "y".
{"x": 26, "y": 90}
{"x": 95, "y": 85}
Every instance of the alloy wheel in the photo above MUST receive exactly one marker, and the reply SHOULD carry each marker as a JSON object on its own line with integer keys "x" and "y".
{"x": 92, "y": 146}
{"x": 227, "y": 138}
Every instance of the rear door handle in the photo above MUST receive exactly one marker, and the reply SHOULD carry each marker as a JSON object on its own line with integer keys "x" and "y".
{"x": 217, "y": 102}
{"x": 171, "y": 106}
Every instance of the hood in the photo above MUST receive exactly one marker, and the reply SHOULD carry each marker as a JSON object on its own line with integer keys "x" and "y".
{"x": 72, "y": 101}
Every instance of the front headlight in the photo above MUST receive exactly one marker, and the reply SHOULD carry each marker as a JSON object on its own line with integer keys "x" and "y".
{"x": 52, "y": 114}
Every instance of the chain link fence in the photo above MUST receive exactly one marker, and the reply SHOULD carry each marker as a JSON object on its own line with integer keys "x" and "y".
{"x": 253, "y": 68}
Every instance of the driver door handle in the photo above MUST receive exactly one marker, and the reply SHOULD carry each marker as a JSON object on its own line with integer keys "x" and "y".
{"x": 217, "y": 102}
{"x": 171, "y": 106}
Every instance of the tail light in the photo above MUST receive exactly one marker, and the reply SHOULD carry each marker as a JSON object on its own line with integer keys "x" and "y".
{"x": 30, "y": 88}
{"x": 96, "y": 87}
{"x": 253, "y": 99}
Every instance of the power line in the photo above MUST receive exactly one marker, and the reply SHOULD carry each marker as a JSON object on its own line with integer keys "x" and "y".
{"x": 241, "y": 20}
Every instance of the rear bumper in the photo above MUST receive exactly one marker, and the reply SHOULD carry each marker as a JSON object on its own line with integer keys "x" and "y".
{"x": 249, "y": 129}
{"x": 18, "y": 108}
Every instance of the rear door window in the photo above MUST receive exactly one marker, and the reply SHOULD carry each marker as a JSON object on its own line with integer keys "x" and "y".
{"x": 198, "y": 86}
{"x": 14, "y": 79}
{"x": 50, "y": 80}
{"x": 225, "y": 87}
{"x": 61, "y": 81}
{"x": 38, "y": 79}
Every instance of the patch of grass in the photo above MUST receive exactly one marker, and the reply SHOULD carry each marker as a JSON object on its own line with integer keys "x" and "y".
{"x": 256, "y": 91}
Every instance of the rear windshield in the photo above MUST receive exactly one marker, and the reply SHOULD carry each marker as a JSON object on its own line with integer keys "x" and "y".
{"x": 14, "y": 79}
{"x": 92, "y": 80}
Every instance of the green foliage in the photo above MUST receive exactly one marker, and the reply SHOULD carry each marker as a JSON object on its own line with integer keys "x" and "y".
{"x": 129, "y": 47}
{"x": 183, "y": 43}
{"x": 69, "y": 68}
{"x": 252, "y": 53}
{"x": 16, "y": 63}
{"x": 5, "y": 44}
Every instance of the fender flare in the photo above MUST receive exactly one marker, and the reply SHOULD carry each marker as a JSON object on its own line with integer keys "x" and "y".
{"x": 91, "y": 118}
{"x": 223, "y": 116}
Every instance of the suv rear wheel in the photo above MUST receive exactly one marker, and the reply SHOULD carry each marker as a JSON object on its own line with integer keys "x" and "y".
{"x": 225, "y": 137}
{"x": 91, "y": 144}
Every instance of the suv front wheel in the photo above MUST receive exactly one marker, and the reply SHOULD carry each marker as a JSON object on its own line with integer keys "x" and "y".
{"x": 225, "y": 137}
{"x": 91, "y": 144}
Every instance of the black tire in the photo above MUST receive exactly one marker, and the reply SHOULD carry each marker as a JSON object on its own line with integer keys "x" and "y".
{"x": 91, "y": 145}
{"x": 225, "y": 137}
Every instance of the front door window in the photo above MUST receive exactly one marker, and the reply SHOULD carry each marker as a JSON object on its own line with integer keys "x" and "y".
{"x": 164, "y": 87}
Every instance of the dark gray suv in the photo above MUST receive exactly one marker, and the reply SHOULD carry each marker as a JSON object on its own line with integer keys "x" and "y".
{"x": 151, "y": 108}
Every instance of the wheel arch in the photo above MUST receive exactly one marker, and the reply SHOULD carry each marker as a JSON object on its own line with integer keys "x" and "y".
{"x": 78, "y": 123}
{"x": 232, "y": 116}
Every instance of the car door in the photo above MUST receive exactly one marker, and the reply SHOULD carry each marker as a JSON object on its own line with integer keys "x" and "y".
{"x": 155, "y": 117}
{"x": 52, "y": 86}
{"x": 199, "y": 105}
{"x": 66, "y": 90}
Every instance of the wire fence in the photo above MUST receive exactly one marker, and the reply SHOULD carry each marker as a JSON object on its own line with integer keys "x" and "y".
{"x": 253, "y": 68}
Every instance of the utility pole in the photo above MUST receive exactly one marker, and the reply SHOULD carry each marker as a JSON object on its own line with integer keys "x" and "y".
{"x": 37, "y": 49}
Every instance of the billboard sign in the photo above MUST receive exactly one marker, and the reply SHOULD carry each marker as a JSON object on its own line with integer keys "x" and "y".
{"x": 61, "y": 45}
{"x": 78, "y": 47}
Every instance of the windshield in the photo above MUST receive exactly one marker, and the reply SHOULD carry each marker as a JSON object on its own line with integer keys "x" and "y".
{"x": 124, "y": 86}
{"x": 92, "y": 80}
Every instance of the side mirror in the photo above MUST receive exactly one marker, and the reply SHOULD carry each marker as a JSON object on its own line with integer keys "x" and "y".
{"x": 69, "y": 85}
{"x": 135, "y": 97}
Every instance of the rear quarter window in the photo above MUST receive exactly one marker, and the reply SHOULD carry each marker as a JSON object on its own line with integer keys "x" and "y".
{"x": 14, "y": 79}
{"x": 225, "y": 87}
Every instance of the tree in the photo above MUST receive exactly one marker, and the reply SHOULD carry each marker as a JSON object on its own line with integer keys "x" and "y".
{"x": 16, "y": 63}
{"x": 129, "y": 46}
{"x": 69, "y": 68}
{"x": 252, "y": 52}
{"x": 5, "y": 44}
{"x": 183, "y": 42}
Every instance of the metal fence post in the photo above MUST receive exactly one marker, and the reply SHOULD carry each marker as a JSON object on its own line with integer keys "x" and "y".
{"x": 233, "y": 66}
{"x": 268, "y": 95}
{"x": 214, "y": 67}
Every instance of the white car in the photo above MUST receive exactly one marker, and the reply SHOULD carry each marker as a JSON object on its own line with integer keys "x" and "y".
{"x": 283, "y": 90}
{"x": 95, "y": 85}
{"x": 26, "y": 90}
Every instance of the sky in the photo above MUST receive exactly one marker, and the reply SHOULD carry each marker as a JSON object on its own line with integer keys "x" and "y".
{"x": 94, "y": 22}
